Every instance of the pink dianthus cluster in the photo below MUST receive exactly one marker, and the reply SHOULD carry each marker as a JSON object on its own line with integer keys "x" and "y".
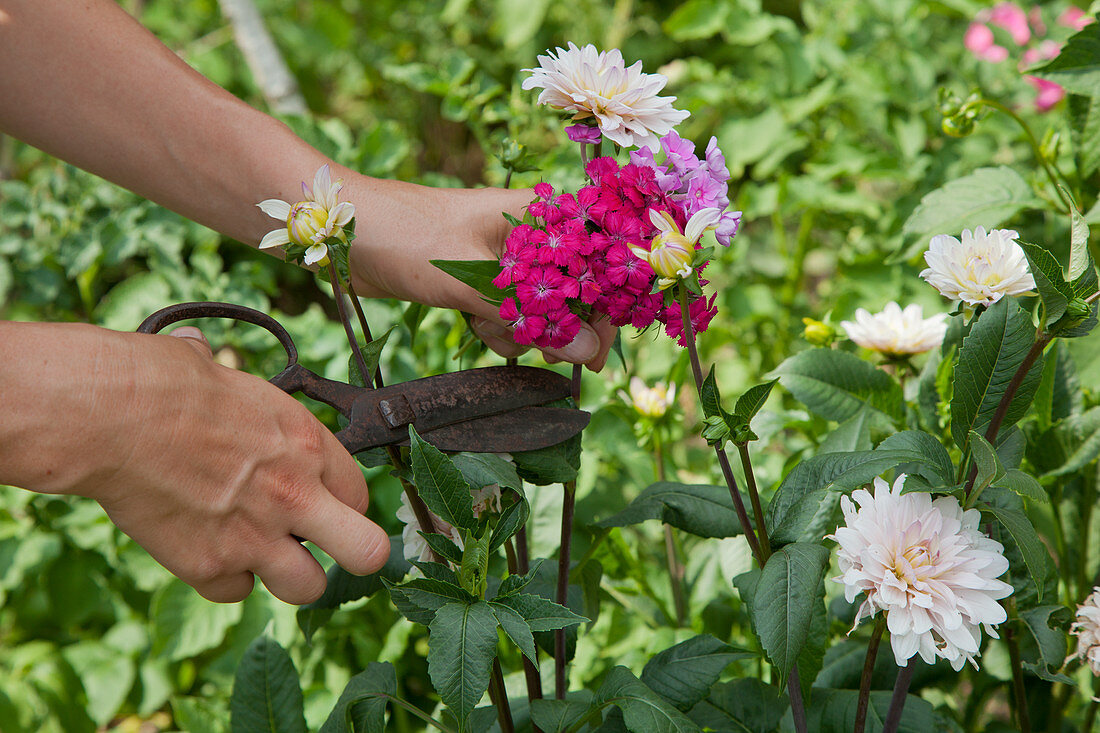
{"x": 1024, "y": 28}
{"x": 575, "y": 260}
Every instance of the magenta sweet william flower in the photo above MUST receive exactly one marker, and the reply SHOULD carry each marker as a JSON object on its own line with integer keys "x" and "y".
{"x": 700, "y": 310}
{"x": 582, "y": 133}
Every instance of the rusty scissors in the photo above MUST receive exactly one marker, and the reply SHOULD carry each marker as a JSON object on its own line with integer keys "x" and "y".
{"x": 486, "y": 410}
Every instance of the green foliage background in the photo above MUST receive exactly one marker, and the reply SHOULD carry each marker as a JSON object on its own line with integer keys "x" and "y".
{"x": 827, "y": 113}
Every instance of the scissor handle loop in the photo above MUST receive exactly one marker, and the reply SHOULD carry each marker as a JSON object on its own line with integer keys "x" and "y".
{"x": 184, "y": 311}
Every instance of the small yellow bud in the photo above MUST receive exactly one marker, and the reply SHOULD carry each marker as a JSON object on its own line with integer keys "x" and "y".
{"x": 307, "y": 218}
{"x": 818, "y": 333}
{"x": 671, "y": 255}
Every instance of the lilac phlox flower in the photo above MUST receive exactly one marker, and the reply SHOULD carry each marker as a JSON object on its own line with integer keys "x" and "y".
{"x": 582, "y": 133}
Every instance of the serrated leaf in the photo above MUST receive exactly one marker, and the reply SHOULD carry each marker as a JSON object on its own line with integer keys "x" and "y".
{"x": 1077, "y": 67}
{"x": 783, "y": 605}
{"x": 987, "y": 461}
{"x": 753, "y": 400}
{"x": 516, "y": 583}
{"x": 741, "y": 706}
{"x": 478, "y": 274}
{"x": 515, "y": 626}
{"x": 442, "y": 546}
{"x": 440, "y": 483}
{"x": 1036, "y": 557}
{"x": 461, "y": 647}
{"x": 709, "y": 397}
{"x": 483, "y": 469}
{"x": 539, "y": 613}
{"x": 991, "y": 353}
{"x": 937, "y": 459}
{"x": 988, "y": 196}
{"x": 1084, "y": 115}
{"x": 556, "y": 464}
{"x": 361, "y": 707}
{"x": 837, "y": 385}
{"x": 267, "y": 697}
{"x": 1024, "y": 485}
{"x": 511, "y": 520}
{"x": 683, "y": 674}
{"x": 1080, "y": 259}
{"x": 642, "y": 708}
{"x": 705, "y": 511}
{"x": 1081, "y": 434}
{"x": 372, "y": 352}
{"x": 1050, "y": 281}
{"x": 558, "y": 716}
{"x": 1051, "y": 642}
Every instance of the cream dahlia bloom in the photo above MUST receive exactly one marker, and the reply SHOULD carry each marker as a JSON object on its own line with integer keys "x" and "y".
{"x": 897, "y": 332}
{"x": 598, "y": 84}
{"x": 672, "y": 252}
{"x": 927, "y": 566}
{"x": 649, "y": 401}
{"x": 979, "y": 270}
{"x": 1087, "y": 630}
{"x": 312, "y": 221}
{"x": 416, "y": 547}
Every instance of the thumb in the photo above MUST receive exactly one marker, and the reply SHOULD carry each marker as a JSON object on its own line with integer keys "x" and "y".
{"x": 195, "y": 338}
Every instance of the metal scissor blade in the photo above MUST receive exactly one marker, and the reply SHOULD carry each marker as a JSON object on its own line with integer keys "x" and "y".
{"x": 382, "y": 416}
{"x": 528, "y": 428}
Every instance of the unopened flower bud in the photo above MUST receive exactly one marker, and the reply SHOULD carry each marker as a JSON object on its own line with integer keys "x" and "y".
{"x": 307, "y": 218}
{"x": 671, "y": 255}
{"x": 818, "y": 333}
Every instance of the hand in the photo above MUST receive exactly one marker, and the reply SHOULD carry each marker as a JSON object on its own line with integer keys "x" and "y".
{"x": 211, "y": 470}
{"x": 403, "y": 226}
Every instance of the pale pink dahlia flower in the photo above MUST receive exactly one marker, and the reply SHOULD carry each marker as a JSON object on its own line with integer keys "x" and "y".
{"x": 597, "y": 84}
{"x": 897, "y": 332}
{"x": 1087, "y": 630}
{"x": 416, "y": 547}
{"x": 927, "y": 566}
{"x": 980, "y": 269}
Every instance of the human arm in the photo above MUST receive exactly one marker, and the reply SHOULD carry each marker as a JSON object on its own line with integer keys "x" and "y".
{"x": 212, "y": 470}
{"x": 83, "y": 81}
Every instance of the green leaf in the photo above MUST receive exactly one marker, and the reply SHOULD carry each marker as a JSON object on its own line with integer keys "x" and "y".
{"x": 440, "y": 483}
{"x": 987, "y": 461}
{"x": 362, "y": 705}
{"x": 372, "y": 352}
{"x": 683, "y": 674}
{"x": 834, "y": 711}
{"x": 539, "y": 613}
{"x": 515, "y": 626}
{"x": 555, "y": 464}
{"x": 413, "y": 317}
{"x": 1081, "y": 434}
{"x": 851, "y": 435}
{"x": 442, "y": 546}
{"x": 812, "y": 657}
{"x": 478, "y": 274}
{"x": 705, "y": 511}
{"x": 1035, "y": 553}
{"x": 697, "y": 19}
{"x": 512, "y": 519}
{"x": 266, "y": 695}
{"x": 642, "y": 708}
{"x": 195, "y": 715}
{"x": 936, "y": 457}
{"x": 420, "y": 598}
{"x": 837, "y": 385}
{"x": 1051, "y": 642}
{"x": 1050, "y": 281}
{"x": 741, "y": 706}
{"x": 783, "y": 605}
{"x": 185, "y": 624}
{"x": 1023, "y": 484}
{"x": 709, "y": 397}
{"x": 1084, "y": 115}
{"x": 483, "y": 469}
{"x": 462, "y": 646}
{"x": 516, "y": 583}
{"x": 991, "y": 354}
{"x": 558, "y": 716}
{"x": 1077, "y": 68}
{"x": 988, "y": 196}
{"x": 106, "y": 675}
{"x": 343, "y": 587}
{"x": 1080, "y": 259}
{"x": 753, "y": 400}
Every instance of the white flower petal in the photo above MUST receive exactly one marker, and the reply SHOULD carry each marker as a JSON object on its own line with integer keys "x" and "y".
{"x": 275, "y": 238}
{"x": 341, "y": 214}
{"x": 276, "y": 209}
{"x": 315, "y": 254}
{"x": 701, "y": 221}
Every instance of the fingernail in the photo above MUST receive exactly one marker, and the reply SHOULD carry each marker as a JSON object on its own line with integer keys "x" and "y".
{"x": 189, "y": 332}
{"x": 582, "y": 348}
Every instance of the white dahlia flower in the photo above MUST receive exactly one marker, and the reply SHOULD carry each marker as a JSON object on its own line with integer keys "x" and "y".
{"x": 1087, "y": 630}
{"x": 897, "y": 332}
{"x": 312, "y": 221}
{"x": 598, "y": 84}
{"x": 649, "y": 401}
{"x": 927, "y": 566}
{"x": 416, "y": 547}
{"x": 979, "y": 270}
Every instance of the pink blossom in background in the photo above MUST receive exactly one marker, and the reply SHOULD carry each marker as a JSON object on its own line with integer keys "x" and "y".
{"x": 1075, "y": 18}
{"x": 1013, "y": 19}
{"x": 1045, "y": 51}
{"x": 582, "y": 133}
{"x": 979, "y": 41}
{"x": 1047, "y": 93}
{"x": 1035, "y": 17}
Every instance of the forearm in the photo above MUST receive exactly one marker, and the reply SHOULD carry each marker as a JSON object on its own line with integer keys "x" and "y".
{"x": 57, "y": 386}
{"x": 83, "y": 81}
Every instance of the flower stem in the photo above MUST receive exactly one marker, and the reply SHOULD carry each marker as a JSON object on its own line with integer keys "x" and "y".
{"x": 754, "y": 497}
{"x": 897, "y": 700}
{"x": 798, "y": 709}
{"x": 568, "y": 502}
{"x": 1090, "y": 716}
{"x": 675, "y": 567}
{"x": 338, "y": 294}
{"x": 723, "y": 460}
{"x": 530, "y": 669}
{"x": 865, "y": 678}
{"x": 1019, "y": 693}
{"x": 498, "y": 693}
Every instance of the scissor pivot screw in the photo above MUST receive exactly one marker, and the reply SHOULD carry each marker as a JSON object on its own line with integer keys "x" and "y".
{"x": 397, "y": 411}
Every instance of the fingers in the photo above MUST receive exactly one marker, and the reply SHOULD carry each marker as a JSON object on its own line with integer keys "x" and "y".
{"x": 227, "y": 589}
{"x": 497, "y": 337}
{"x": 606, "y": 334}
{"x": 356, "y": 543}
{"x": 194, "y": 338}
{"x": 590, "y": 346}
{"x": 291, "y": 573}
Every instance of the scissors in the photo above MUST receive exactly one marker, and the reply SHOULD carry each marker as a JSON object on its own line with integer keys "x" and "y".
{"x": 499, "y": 409}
